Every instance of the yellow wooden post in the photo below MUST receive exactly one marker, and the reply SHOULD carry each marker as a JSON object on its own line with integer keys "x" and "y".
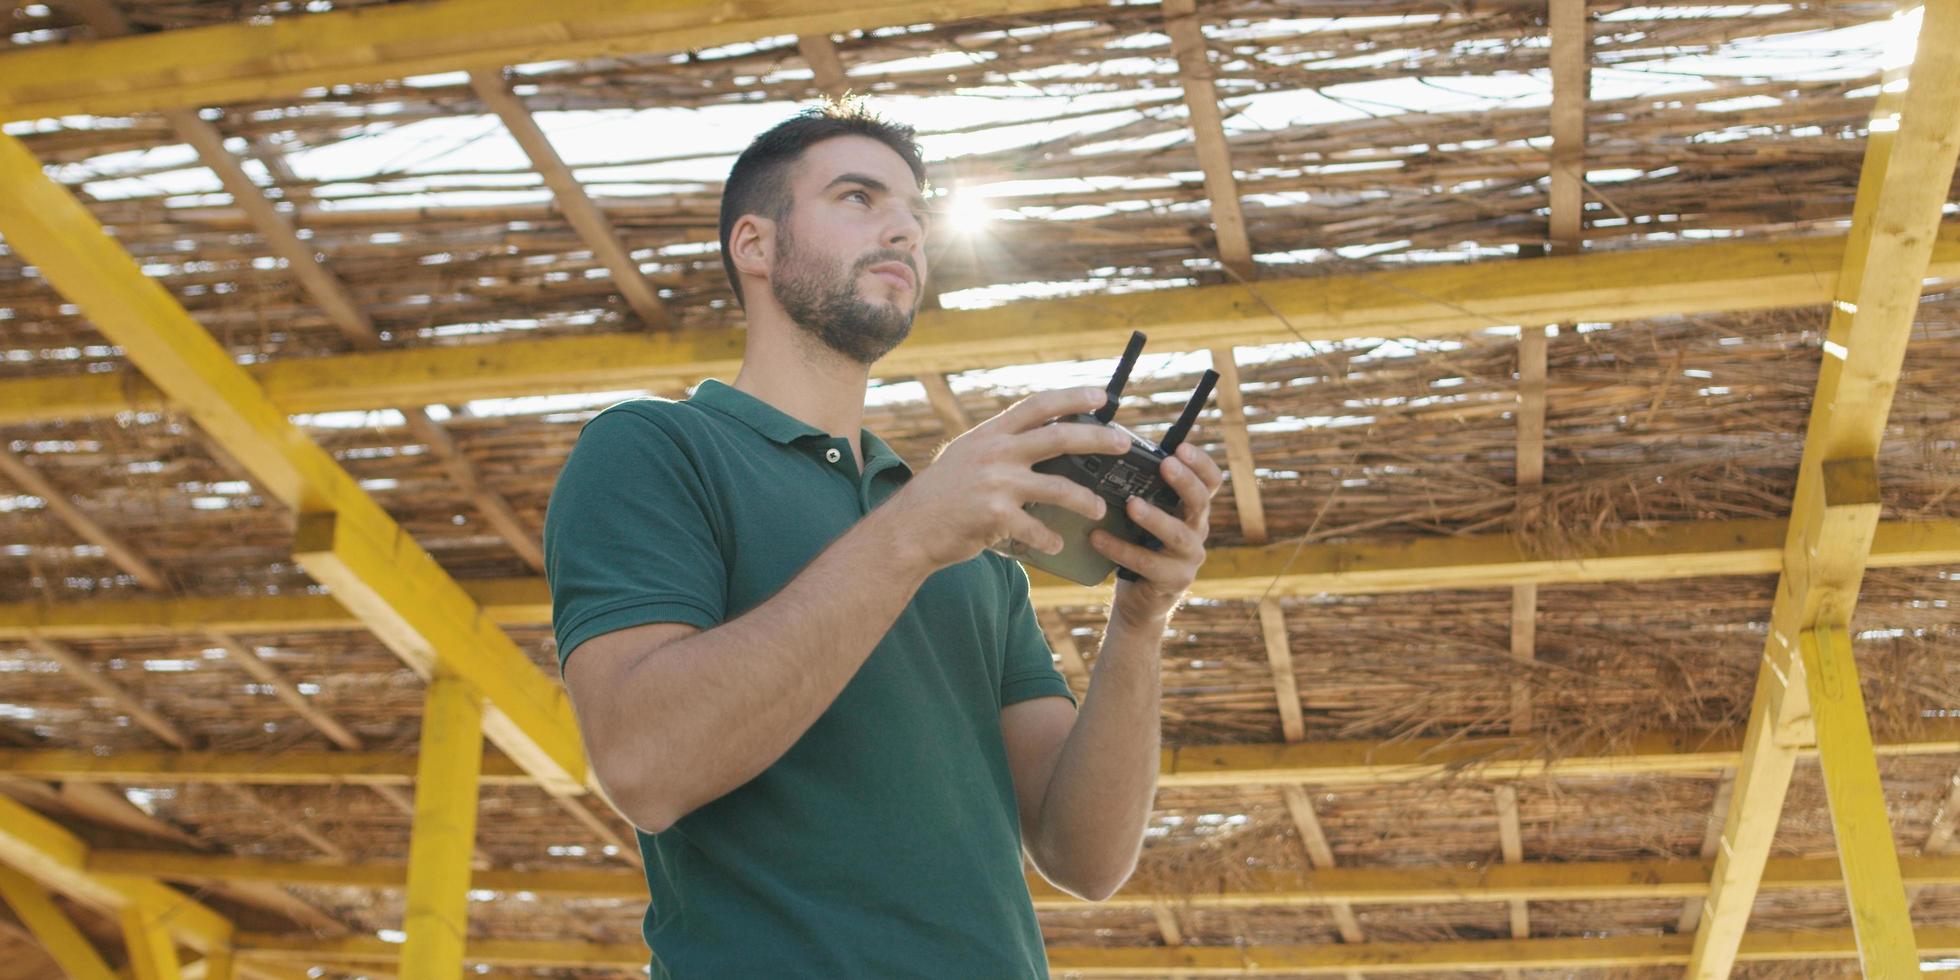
{"x": 444, "y": 834}
{"x": 71, "y": 950}
{"x": 152, "y": 953}
{"x": 1880, "y": 917}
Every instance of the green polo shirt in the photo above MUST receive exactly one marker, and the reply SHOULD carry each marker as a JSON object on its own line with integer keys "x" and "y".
{"x": 886, "y": 841}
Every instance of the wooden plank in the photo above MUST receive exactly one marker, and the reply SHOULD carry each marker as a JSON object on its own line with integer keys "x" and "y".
{"x": 152, "y": 951}
{"x": 1208, "y": 128}
{"x": 253, "y": 61}
{"x": 1511, "y": 842}
{"x": 1711, "y": 841}
{"x": 1320, "y": 854}
{"x": 55, "y": 857}
{"x": 1432, "y": 957}
{"x": 946, "y": 405}
{"x": 1434, "y": 301}
{"x": 245, "y": 659}
{"x": 52, "y": 928}
{"x": 27, "y": 480}
{"x": 84, "y": 673}
{"x": 1238, "y": 447}
{"x": 1902, "y": 190}
{"x": 826, "y": 68}
{"x": 1330, "y": 763}
{"x": 46, "y": 225}
{"x": 443, "y": 836}
{"x": 585, "y": 217}
{"x": 1682, "y": 550}
{"x": 494, "y": 509}
{"x": 1069, "y": 656}
{"x": 274, "y": 228}
{"x": 1550, "y": 881}
{"x": 1279, "y": 656}
{"x": 1881, "y": 917}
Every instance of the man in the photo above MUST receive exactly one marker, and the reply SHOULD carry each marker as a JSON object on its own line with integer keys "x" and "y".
{"x": 797, "y": 669}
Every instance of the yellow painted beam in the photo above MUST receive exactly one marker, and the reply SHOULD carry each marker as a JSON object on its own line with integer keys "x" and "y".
{"x": 152, "y": 953}
{"x": 1343, "y": 763}
{"x": 1532, "y": 881}
{"x": 71, "y": 950}
{"x": 44, "y": 851}
{"x": 1902, "y": 190}
{"x": 1620, "y": 951}
{"x": 1433, "y": 301}
{"x": 239, "y": 62}
{"x": 444, "y": 833}
{"x": 346, "y": 540}
{"x": 1560, "y": 881}
{"x": 1684, "y": 550}
{"x": 1881, "y": 915}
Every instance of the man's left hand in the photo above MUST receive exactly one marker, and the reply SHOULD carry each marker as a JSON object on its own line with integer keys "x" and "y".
{"x": 1164, "y": 575}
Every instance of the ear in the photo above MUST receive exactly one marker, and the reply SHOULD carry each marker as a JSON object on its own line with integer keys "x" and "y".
{"x": 752, "y": 246}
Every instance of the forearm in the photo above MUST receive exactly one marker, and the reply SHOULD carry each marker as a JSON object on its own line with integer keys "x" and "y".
{"x": 713, "y": 710}
{"x": 1104, "y": 782}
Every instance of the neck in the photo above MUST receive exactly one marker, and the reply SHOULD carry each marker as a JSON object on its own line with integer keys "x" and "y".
{"x": 800, "y": 377}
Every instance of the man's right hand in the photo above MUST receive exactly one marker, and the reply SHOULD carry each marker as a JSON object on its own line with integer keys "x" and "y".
{"x": 972, "y": 494}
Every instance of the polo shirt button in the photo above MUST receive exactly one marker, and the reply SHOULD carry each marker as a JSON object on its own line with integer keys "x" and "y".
{"x": 832, "y": 454}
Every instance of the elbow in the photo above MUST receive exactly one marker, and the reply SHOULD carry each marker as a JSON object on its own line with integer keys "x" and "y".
{"x": 1103, "y": 887}
{"x": 1087, "y": 880}
{"x": 637, "y": 797}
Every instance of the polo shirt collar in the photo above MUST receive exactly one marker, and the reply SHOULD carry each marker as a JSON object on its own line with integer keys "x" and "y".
{"x": 778, "y": 427}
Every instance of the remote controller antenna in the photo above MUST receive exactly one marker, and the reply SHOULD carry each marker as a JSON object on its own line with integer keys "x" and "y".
{"x": 1120, "y": 378}
{"x": 1174, "y": 437}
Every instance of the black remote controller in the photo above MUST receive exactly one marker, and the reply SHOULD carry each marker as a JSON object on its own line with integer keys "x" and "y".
{"x": 1136, "y": 473}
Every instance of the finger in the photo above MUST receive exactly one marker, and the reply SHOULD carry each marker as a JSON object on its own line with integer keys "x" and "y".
{"x": 1191, "y": 490}
{"x": 1206, "y": 467}
{"x": 1065, "y": 493}
{"x": 1024, "y": 528}
{"x": 1155, "y": 566}
{"x": 1036, "y": 409}
{"x": 1177, "y": 536}
{"x": 1050, "y": 441}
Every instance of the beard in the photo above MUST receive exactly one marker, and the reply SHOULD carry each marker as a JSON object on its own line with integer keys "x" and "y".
{"x": 826, "y": 303}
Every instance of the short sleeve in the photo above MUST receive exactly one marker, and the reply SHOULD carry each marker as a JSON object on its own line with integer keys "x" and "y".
{"x": 1029, "y": 667}
{"x": 629, "y": 535}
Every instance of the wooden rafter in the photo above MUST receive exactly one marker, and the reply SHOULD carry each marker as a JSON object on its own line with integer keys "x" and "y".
{"x": 1550, "y": 881}
{"x": 1208, "y": 131}
{"x": 436, "y": 918}
{"x": 1901, "y": 192}
{"x": 1569, "y": 33}
{"x": 346, "y": 540}
{"x": 52, "y": 928}
{"x": 28, "y": 480}
{"x": 1436, "y": 301}
{"x": 826, "y": 67}
{"x": 584, "y": 216}
{"x": 1069, "y": 655}
{"x": 234, "y": 62}
{"x": 332, "y": 295}
{"x": 1238, "y": 447}
{"x": 57, "y": 859}
{"x": 1196, "y": 961}
{"x": 1320, "y": 854}
{"x": 1689, "y": 549}
{"x": 1316, "y": 763}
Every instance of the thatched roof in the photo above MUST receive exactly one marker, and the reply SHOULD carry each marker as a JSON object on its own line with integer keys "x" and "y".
{"x": 1707, "y": 122}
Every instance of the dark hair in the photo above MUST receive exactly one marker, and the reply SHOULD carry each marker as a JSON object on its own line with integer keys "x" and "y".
{"x": 759, "y": 182}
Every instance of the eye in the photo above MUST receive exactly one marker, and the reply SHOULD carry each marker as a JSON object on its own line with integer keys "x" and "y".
{"x": 864, "y": 196}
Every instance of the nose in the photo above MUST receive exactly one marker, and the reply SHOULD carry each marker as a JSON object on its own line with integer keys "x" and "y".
{"x": 904, "y": 230}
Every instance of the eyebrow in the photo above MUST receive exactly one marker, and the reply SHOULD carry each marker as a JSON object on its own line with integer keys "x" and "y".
{"x": 869, "y": 182}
